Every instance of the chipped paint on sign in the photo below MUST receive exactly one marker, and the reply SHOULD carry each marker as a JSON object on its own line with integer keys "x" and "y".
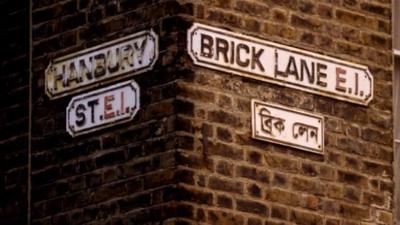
{"x": 103, "y": 108}
{"x": 101, "y": 64}
{"x": 275, "y": 63}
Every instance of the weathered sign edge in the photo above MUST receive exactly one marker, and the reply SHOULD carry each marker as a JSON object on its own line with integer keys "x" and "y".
{"x": 78, "y": 97}
{"x": 111, "y": 79}
{"x": 288, "y": 48}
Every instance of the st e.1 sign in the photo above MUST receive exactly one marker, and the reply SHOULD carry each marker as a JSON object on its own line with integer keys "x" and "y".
{"x": 279, "y": 64}
{"x": 103, "y": 108}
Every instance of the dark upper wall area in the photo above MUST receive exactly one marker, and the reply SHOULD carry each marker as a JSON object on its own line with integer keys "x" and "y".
{"x": 14, "y": 95}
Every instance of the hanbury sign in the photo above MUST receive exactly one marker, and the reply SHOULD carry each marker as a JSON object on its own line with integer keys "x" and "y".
{"x": 275, "y": 63}
{"x": 282, "y": 125}
{"x": 110, "y": 61}
{"x": 103, "y": 108}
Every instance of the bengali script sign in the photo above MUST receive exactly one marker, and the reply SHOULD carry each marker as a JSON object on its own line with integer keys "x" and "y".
{"x": 282, "y": 125}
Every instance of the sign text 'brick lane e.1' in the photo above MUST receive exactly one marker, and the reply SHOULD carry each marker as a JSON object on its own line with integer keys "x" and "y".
{"x": 103, "y": 108}
{"x": 101, "y": 64}
{"x": 279, "y": 64}
{"x": 278, "y": 124}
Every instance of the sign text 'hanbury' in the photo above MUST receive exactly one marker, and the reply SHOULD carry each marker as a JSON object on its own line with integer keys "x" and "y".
{"x": 101, "y": 64}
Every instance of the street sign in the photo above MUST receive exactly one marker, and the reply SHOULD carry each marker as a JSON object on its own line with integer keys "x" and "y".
{"x": 102, "y": 108}
{"x": 279, "y": 64}
{"x": 282, "y": 125}
{"x": 101, "y": 64}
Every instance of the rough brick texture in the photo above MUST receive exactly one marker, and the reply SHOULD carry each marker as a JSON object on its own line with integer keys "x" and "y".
{"x": 14, "y": 114}
{"x": 254, "y": 182}
{"x": 188, "y": 158}
{"x": 126, "y": 174}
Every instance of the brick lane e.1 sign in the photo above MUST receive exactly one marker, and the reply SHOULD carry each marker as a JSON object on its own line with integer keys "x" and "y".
{"x": 275, "y": 63}
{"x": 282, "y": 125}
{"x": 103, "y": 108}
{"x": 101, "y": 64}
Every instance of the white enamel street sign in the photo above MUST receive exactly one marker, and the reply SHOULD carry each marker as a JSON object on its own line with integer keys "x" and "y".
{"x": 275, "y": 63}
{"x": 110, "y": 61}
{"x": 103, "y": 108}
{"x": 282, "y": 125}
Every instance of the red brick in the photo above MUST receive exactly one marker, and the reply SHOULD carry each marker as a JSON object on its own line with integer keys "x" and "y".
{"x": 225, "y": 185}
{"x": 350, "y": 18}
{"x": 225, "y": 168}
{"x": 353, "y": 212}
{"x": 252, "y": 207}
{"x": 283, "y": 197}
{"x": 224, "y": 201}
{"x": 220, "y": 217}
{"x": 352, "y": 178}
{"x": 252, "y": 8}
{"x": 252, "y": 173}
{"x": 306, "y": 23}
{"x": 224, "y": 134}
{"x": 279, "y": 212}
{"x": 306, "y": 218}
{"x": 352, "y": 194}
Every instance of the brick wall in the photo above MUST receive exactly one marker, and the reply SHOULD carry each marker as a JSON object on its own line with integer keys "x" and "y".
{"x": 125, "y": 174}
{"x": 188, "y": 157}
{"x": 14, "y": 94}
{"x": 237, "y": 180}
